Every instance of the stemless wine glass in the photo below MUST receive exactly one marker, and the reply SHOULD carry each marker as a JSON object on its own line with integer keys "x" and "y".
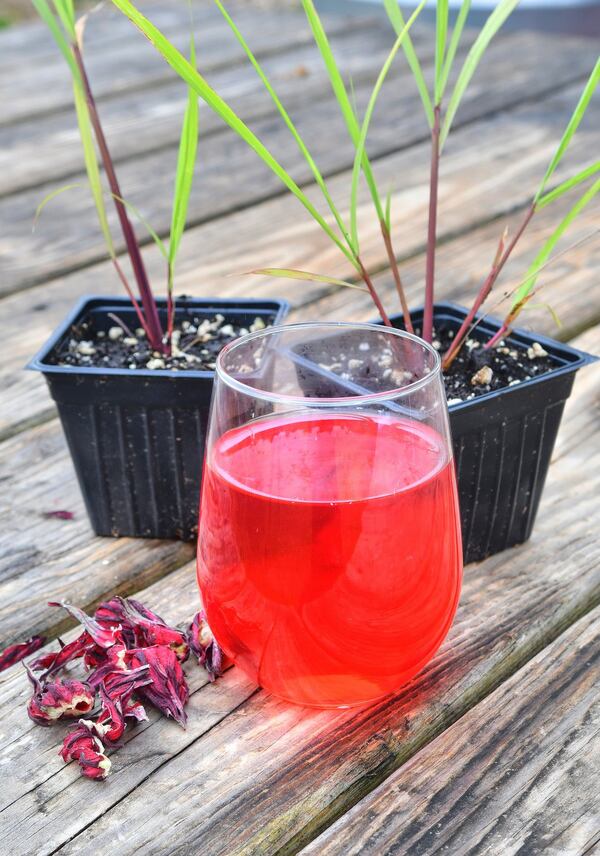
{"x": 329, "y": 552}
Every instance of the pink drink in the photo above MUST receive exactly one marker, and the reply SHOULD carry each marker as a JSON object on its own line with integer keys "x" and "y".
{"x": 329, "y": 556}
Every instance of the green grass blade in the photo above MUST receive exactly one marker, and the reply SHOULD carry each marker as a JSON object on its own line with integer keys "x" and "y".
{"x": 572, "y": 126}
{"x": 91, "y": 162}
{"x": 360, "y": 148}
{"x": 441, "y": 34}
{"x": 45, "y": 13}
{"x": 49, "y": 197}
{"x": 306, "y": 276}
{"x": 454, "y": 43}
{"x": 567, "y": 185}
{"x": 339, "y": 90}
{"x": 66, "y": 13}
{"x": 473, "y": 58}
{"x": 544, "y": 253}
{"x": 552, "y": 311}
{"x": 335, "y": 77}
{"x": 388, "y": 211}
{"x": 194, "y": 79}
{"x": 397, "y": 19}
{"x": 353, "y": 102}
{"x": 289, "y": 123}
{"x": 184, "y": 176}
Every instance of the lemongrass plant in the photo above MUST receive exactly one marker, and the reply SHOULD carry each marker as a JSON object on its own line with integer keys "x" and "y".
{"x": 440, "y": 119}
{"x": 68, "y": 35}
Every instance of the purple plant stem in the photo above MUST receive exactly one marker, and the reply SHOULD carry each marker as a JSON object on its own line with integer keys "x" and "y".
{"x": 508, "y": 322}
{"x": 130, "y": 294}
{"x": 154, "y": 333}
{"x": 170, "y": 308}
{"x": 483, "y": 294}
{"x": 396, "y": 274}
{"x": 427, "y": 332}
{"x": 373, "y": 292}
{"x": 497, "y": 337}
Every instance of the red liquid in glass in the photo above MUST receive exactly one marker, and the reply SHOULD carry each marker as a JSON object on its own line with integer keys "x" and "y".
{"x": 329, "y": 556}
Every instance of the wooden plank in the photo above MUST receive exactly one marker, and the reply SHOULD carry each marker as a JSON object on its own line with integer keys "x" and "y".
{"x": 461, "y": 266}
{"x": 518, "y": 773}
{"x": 20, "y": 42}
{"x": 130, "y": 63}
{"x": 271, "y": 776}
{"x": 585, "y": 407}
{"x": 139, "y": 122}
{"x": 40, "y": 556}
{"x": 69, "y": 238}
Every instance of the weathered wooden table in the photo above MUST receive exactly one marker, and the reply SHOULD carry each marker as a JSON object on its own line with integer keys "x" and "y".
{"x": 495, "y": 747}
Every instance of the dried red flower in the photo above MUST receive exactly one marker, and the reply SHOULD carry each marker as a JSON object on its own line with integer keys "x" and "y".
{"x": 204, "y": 646}
{"x": 134, "y": 709}
{"x": 129, "y": 652}
{"x": 52, "y": 662}
{"x": 111, "y": 717}
{"x": 60, "y": 514}
{"x": 84, "y": 745}
{"x": 141, "y": 627}
{"x": 168, "y": 689}
{"x": 122, "y": 684}
{"x": 15, "y": 653}
{"x": 57, "y": 699}
{"x": 116, "y": 688}
{"x": 102, "y": 635}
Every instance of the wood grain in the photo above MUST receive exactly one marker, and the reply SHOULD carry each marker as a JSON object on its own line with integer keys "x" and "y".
{"x": 69, "y": 238}
{"x": 136, "y": 123}
{"x": 42, "y": 559}
{"x": 130, "y": 63}
{"x": 270, "y": 777}
{"x": 18, "y": 43}
{"x": 518, "y": 773}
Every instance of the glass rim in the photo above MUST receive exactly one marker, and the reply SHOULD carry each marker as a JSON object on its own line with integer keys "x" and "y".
{"x": 386, "y": 395}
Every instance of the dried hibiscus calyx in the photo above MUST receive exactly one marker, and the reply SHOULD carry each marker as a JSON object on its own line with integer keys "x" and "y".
{"x": 130, "y": 655}
{"x": 112, "y": 717}
{"x": 84, "y": 745}
{"x": 133, "y": 709}
{"x": 167, "y": 689}
{"x": 120, "y": 681}
{"x": 204, "y": 646}
{"x": 141, "y": 627}
{"x": 102, "y": 635}
{"x": 54, "y": 661}
{"x": 54, "y": 700}
{"x": 15, "y": 653}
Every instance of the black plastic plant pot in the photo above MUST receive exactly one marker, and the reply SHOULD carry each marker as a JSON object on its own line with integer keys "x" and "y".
{"x": 503, "y": 439}
{"x": 137, "y": 437}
